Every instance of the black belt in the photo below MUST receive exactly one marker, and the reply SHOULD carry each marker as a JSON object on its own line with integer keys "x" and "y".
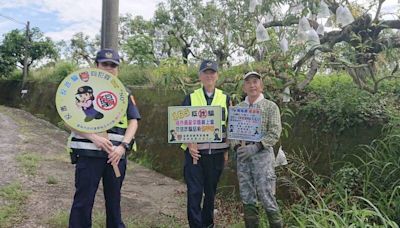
{"x": 213, "y": 151}
{"x": 93, "y": 153}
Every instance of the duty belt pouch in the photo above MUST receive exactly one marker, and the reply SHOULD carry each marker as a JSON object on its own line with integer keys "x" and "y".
{"x": 73, "y": 156}
{"x": 128, "y": 152}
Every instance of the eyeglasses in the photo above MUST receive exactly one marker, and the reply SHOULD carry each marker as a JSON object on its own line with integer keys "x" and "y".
{"x": 109, "y": 64}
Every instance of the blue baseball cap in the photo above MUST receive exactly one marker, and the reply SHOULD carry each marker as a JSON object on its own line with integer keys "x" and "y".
{"x": 107, "y": 55}
{"x": 208, "y": 65}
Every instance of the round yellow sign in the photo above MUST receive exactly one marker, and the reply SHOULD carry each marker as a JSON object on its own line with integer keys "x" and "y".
{"x": 91, "y": 100}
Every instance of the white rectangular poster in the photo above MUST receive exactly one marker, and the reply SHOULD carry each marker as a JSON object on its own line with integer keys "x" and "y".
{"x": 244, "y": 124}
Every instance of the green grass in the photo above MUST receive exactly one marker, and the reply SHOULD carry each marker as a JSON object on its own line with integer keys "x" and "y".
{"x": 60, "y": 219}
{"x": 29, "y": 162}
{"x": 13, "y": 197}
{"x": 51, "y": 180}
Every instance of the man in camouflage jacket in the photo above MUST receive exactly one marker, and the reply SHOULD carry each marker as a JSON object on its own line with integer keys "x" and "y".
{"x": 255, "y": 161}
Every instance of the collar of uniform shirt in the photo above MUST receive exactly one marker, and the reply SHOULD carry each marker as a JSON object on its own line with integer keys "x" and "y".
{"x": 208, "y": 95}
{"x": 256, "y": 101}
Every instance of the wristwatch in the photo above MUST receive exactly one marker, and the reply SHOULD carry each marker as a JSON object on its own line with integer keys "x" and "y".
{"x": 126, "y": 146}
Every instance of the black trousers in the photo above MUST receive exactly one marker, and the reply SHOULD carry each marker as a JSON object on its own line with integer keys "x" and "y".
{"x": 200, "y": 178}
{"x": 88, "y": 172}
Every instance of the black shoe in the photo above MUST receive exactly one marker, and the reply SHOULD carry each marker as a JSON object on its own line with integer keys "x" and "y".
{"x": 99, "y": 116}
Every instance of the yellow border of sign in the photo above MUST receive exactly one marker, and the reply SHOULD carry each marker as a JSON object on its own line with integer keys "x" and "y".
{"x": 91, "y": 100}
{"x": 206, "y": 134}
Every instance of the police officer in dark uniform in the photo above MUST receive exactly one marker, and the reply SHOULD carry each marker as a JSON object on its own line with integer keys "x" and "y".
{"x": 203, "y": 177}
{"x": 95, "y": 155}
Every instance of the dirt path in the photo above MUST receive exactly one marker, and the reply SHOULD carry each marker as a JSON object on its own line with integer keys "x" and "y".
{"x": 149, "y": 199}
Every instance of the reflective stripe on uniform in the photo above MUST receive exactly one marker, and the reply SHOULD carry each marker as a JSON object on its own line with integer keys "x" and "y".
{"x": 212, "y": 146}
{"x": 76, "y": 144}
{"x": 83, "y": 145}
{"x": 111, "y": 136}
{"x": 115, "y": 137}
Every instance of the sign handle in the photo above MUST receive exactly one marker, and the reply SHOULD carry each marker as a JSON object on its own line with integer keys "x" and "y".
{"x": 115, "y": 166}
{"x": 116, "y": 170}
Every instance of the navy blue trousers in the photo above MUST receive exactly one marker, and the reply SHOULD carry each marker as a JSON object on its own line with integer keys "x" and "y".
{"x": 88, "y": 172}
{"x": 200, "y": 178}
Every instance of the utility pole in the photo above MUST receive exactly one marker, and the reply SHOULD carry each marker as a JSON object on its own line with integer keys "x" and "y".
{"x": 26, "y": 56}
{"x": 109, "y": 24}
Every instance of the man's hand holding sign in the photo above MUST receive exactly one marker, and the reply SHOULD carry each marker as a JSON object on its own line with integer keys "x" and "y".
{"x": 195, "y": 127}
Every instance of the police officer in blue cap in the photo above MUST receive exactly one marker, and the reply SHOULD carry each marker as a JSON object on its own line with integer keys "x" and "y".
{"x": 203, "y": 177}
{"x": 95, "y": 154}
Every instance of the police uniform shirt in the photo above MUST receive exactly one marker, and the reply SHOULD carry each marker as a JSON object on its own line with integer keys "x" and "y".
{"x": 82, "y": 145}
{"x": 132, "y": 112}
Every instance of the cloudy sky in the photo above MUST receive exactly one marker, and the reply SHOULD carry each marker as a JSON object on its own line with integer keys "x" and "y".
{"x": 60, "y": 19}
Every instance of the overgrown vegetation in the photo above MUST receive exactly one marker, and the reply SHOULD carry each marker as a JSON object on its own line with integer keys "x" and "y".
{"x": 361, "y": 194}
{"x": 142, "y": 157}
{"x": 12, "y": 198}
{"x": 54, "y": 72}
{"x": 334, "y": 103}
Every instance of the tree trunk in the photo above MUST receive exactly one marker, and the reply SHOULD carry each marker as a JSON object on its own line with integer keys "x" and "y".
{"x": 185, "y": 54}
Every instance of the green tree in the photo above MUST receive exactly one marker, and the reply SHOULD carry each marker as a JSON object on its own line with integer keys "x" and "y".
{"x": 175, "y": 26}
{"x": 364, "y": 48}
{"x": 137, "y": 39}
{"x": 13, "y": 49}
{"x": 139, "y": 49}
{"x": 7, "y": 63}
{"x": 213, "y": 28}
{"x": 82, "y": 48}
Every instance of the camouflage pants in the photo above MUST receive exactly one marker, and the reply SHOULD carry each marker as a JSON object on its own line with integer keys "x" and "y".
{"x": 257, "y": 179}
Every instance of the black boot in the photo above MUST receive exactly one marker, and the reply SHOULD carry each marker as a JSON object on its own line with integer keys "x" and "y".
{"x": 275, "y": 219}
{"x": 250, "y": 216}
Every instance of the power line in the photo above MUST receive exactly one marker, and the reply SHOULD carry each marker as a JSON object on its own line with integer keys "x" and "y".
{"x": 12, "y": 19}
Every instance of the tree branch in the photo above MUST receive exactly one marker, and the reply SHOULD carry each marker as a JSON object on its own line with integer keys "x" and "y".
{"x": 290, "y": 20}
{"x": 378, "y": 11}
{"x": 386, "y": 78}
{"x": 393, "y": 24}
{"x": 308, "y": 55}
{"x": 332, "y": 5}
{"x": 333, "y": 37}
{"x": 310, "y": 75}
